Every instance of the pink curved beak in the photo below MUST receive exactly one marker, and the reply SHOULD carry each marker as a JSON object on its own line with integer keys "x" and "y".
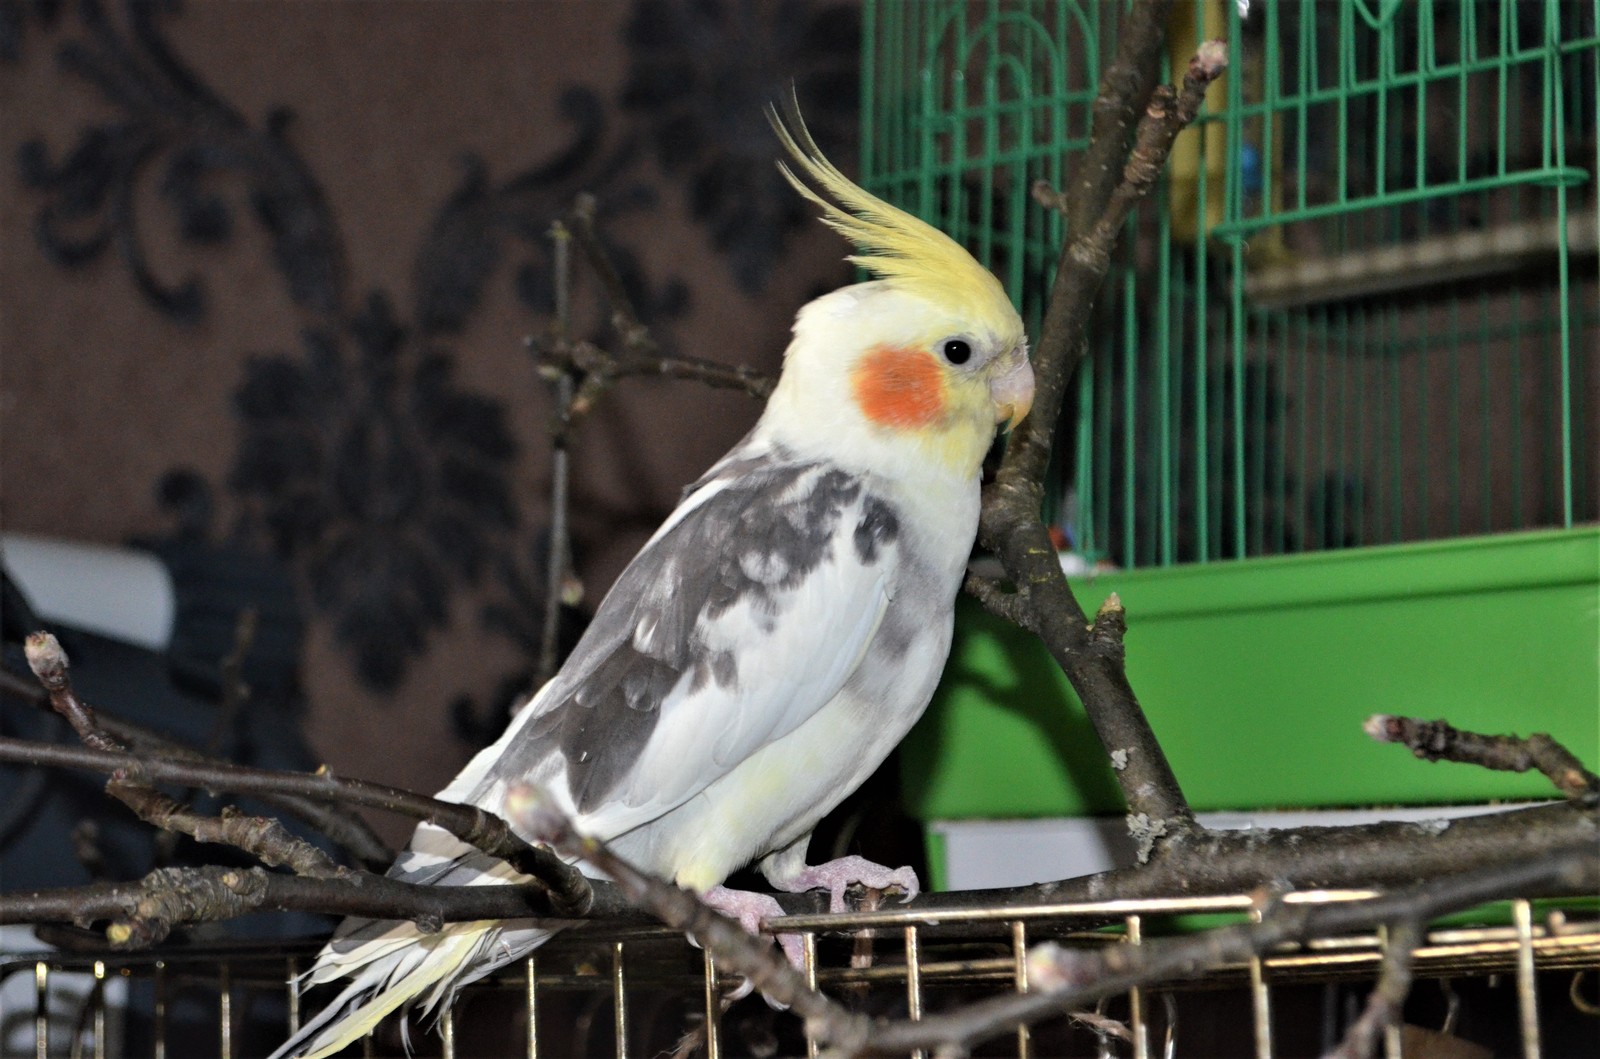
{"x": 1011, "y": 388}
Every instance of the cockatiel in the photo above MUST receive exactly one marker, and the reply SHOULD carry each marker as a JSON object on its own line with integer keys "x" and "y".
{"x": 773, "y": 641}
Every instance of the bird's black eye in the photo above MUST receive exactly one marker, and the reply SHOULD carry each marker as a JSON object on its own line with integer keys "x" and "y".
{"x": 957, "y": 350}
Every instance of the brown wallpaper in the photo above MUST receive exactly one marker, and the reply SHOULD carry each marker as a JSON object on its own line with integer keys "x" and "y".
{"x": 101, "y": 393}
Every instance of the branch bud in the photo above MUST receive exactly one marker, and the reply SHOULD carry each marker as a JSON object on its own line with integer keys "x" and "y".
{"x": 531, "y": 807}
{"x": 1382, "y": 727}
{"x": 46, "y": 658}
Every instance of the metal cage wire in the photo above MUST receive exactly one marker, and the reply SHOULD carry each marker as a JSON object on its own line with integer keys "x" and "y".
{"x": 1360, "y": 310}
{"x": 919, "y": 964}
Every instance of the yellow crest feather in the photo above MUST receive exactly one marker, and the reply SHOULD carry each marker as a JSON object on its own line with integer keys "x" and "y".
{"x": 894, "y": 245}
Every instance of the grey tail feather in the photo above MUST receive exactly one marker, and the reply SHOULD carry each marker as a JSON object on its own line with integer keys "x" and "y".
{"x": 304, "y": 1038}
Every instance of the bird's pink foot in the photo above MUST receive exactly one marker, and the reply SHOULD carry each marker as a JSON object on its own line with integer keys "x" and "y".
{"x": 751, "y": 910}
{"x": 837, "y": 876}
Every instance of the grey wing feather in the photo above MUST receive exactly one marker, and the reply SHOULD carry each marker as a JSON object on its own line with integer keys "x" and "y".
{"x": 751, "y": 530}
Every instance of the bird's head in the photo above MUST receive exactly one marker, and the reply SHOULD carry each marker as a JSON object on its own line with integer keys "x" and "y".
{"x": 922, "y": 363}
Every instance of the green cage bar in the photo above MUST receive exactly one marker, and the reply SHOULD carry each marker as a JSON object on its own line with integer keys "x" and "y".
{"x": 1335, "y": 439}
{"x": 1360, "y": 310}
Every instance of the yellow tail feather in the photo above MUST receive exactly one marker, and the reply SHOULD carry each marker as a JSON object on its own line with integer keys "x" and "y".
{"x": 442, "y": 961}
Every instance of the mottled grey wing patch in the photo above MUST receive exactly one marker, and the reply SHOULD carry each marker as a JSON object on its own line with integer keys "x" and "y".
{"x": 768, "y": 528}
{"x": 878, "y": 526}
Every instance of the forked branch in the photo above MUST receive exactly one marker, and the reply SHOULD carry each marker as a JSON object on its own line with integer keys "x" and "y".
{"x": 132, "y": 777}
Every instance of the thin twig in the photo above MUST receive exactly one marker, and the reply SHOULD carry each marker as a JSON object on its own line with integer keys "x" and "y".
{"x": 27, "y": 690}
{"x": 635, "y": 336}
{"x": 142, "y": 912}
{"x": 103, "y": 753}
{"x": 347, "y": 829}
{"x": 739, "y": 952}
{"x": 992, "y": 593}
{"x": 50, "y": 667}
{"x": 1440, "y": 741}
{"x": 558, "y": 548}
{"x": 1167, "y": 114}
{"x": 262, "y": 837}
{"x": 597, "y": 370}
{"x": 1124, "y": 88}
{"x": 1388, "y": 995}
{"x": 235, "y": 693}
{"x": 484, "y": 830}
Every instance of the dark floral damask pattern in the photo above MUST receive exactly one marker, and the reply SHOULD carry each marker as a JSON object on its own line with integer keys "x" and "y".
{"x": 703, "y": 74}
{"x": 173, "y": 124}
{"x": 467, "y": 242}
{"x": 361, "y": 461}
{"x": 384, "y": 479}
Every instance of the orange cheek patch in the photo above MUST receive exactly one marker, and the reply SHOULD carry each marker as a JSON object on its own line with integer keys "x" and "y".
{"x": 898, "y": 387}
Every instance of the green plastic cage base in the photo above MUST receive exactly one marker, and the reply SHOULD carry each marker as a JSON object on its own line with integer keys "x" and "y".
{"x": 1257, "y": 675}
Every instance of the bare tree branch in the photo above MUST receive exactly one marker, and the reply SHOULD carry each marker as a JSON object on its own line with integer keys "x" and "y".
{"x": 343, "y": 827}
{"x": 472, "y": 825}
{"x": 1387, "y": 997}
{"x": 142, "y": 912}
{"x": 49, "y": 664}
{"x": 346, "y": 829}
{"x": 1216, "y": 862}
{"x": 1010, "y": 605}
{"x": 559, "y": 552}
{"x": 131, "y": 777}
{"x": 1010, "y": 523}
{"x": 1439, "y": 741}
{"x": 735, "y": 950}
{"x": 1206, "y": 861}
{"x": 623, "y": 316}
{"x": 1124, "y": 89}
{"x": 262, "y": 837}
{"x": 235, "y": 693}
{"x": 596, "y": 369}
{"x": 1067, "y": 978}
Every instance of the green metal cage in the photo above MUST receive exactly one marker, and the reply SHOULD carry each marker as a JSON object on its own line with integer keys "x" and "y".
{"x": 1362, "y": 307}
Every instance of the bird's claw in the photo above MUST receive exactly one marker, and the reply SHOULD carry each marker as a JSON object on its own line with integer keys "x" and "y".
{"x": 837, "y": 876}
{"x": 751, "y": 910}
